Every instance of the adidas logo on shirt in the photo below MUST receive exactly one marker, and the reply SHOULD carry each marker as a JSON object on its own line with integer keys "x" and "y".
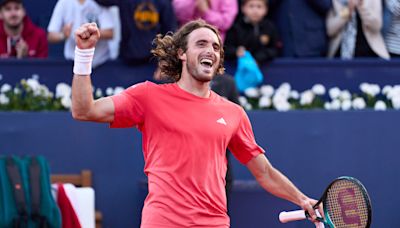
{"x": 221, "y": 121}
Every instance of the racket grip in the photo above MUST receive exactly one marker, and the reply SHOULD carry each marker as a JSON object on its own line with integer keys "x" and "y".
{"x": 288, "y": 216}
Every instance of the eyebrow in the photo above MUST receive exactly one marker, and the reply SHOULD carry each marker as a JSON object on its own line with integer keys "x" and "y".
{"x": 206, "y": 41}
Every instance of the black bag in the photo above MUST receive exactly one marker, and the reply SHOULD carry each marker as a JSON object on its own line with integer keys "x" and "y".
{"x": 25, "y": 194}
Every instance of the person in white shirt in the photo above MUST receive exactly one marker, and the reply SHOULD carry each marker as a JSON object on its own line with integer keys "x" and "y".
{"x": 68, "y": 15}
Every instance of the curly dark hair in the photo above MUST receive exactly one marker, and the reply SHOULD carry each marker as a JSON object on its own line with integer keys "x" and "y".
{"x": 167, "y": 46}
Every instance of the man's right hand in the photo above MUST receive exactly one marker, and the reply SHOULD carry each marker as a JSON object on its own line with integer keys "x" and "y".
{"x": 87, "y": 35}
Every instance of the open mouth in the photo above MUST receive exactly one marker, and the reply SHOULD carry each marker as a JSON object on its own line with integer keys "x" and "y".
{"x": 206, "y": 63}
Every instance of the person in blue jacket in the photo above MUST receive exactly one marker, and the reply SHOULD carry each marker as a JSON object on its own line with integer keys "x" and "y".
{"x": 301, "y": 25}
{"x": 141, "y": 21}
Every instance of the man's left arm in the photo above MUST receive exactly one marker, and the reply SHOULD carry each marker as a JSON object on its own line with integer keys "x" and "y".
{"x": 278, "y": 184}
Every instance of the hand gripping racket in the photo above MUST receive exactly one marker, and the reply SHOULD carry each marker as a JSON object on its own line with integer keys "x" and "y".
{"x": 346, "y": 204}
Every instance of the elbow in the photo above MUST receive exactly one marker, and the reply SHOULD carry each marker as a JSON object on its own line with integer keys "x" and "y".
{"x": 79, "y": 115}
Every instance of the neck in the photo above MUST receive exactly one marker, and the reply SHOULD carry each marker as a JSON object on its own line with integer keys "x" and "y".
{"x": 195, "y": 87}
{"x": 13, "y": 31}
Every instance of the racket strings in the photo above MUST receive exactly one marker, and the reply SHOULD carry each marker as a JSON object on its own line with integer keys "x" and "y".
{"x": 347, "y": 205}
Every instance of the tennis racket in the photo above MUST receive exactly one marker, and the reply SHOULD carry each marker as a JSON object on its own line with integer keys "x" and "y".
{"x": 346, "y": 205}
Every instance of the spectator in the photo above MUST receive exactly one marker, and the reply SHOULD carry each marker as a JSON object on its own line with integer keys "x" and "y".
{"x": 392, "y": 36}
{"x": 354, "y": 28}
{"x": 301, "y": 26}
{"x": 19, "y": 37}
{"x": 220, "y": 13}
{"x": 141, "y": 21}
{"x": 253, "y": 32}
{"x": 68, "y": 15}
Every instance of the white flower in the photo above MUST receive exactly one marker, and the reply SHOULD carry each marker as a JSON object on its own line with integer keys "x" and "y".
{"x": 264, "y": 102}
{"x": 267, "y": 90}
{"x": 44, "y": 91}
{"x": 4, "y": 100}
{"x": 1, "y": 77}
{"x": 307, "y": 97}
{"x": 318, "y": 89}
{"x": 345, "y": 95}
{"x": 252, "y": 92}
{"x": 243, "y": 101}
{"x": 33, "y": 84}
{"x": 5, "y": 88}
{"x": 98, "y": 92}
{"x": 396, "y": 102}
{"x": 285, "y": 86}
{"x": 282, "y": 106}
{"x": 334, "y": 93}
{"x": 358, "y": 103}
{"x": 335, "y": 104}
{"x": 283, "y": 90}
{"x": 35, "y": 76}
{"x": 109, "y": 91}
{"x": 327, "y": 106}
{"x": 280, "y": 103}
{"x": 66, "y": 102}
{"x": 63, "y": 90}
{"x": 364, "y": 87}
{"x": 386, "y": 89}
{"x": 118, "y": 90}
{"x": 395, "y": 91}
{"x": 248, "y": 106}
{"x": 380, "y": 106}
{"x": 370, "y": 89}
{"x": 16, "y": 91}
{"x": 346, "y": 105}
{"x": 294, "y": 94}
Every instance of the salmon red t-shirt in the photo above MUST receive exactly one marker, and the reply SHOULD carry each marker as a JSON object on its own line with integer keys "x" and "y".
{"x": 184, "y": 141}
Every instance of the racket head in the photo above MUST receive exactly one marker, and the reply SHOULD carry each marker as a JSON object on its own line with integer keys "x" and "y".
{"x": 347, "y": 204}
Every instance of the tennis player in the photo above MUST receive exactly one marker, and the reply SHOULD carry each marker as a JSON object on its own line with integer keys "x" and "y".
{"x": 186, "y": 129}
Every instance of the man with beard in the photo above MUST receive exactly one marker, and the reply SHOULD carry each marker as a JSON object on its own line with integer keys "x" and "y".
{"x": 19, "y": 37}
{"x": 186, "y": 129}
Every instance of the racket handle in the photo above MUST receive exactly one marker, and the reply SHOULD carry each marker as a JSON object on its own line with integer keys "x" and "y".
{"x": 288, "y": 216}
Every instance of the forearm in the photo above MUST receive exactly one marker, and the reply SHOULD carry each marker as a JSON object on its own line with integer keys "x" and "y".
{"x": 55, "y": 37}
{"x": 106, "y": 34}
{"x": 371, "y": 16}
{"x": 279, "y": 185}
{"x": 336, "y": 20}
{"x": 82, "y": 97}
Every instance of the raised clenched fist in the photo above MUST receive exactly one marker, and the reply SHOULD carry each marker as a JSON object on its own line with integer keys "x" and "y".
{"x": 87, "y": 35}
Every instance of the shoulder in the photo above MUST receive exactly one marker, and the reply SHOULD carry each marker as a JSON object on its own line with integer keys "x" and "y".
{"x": 225, "y": 103}
{"x": 150, "y": 86}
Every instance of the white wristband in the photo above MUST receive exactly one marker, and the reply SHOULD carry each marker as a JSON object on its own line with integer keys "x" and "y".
{"x": 83, "y": 61}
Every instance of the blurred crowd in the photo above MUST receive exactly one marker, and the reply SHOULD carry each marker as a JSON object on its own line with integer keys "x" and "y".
{"x": 267, "y": 29}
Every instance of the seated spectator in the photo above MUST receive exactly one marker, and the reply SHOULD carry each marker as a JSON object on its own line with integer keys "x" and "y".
{"x": 141, "y": 21}
{"x": 392, "y": 36}
{"x": 301, "y": 26}
{"x": 68, "y": 15}
{"x": 220, "y": 13}
{"x": 354, "y": 28}
{"x": 19, "y": 37}
{"x": 253, "y": 32}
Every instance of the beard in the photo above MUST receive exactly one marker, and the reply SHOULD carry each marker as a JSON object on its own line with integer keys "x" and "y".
{"x": 201, "y": 73}
{"x": 13, "y": 24}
